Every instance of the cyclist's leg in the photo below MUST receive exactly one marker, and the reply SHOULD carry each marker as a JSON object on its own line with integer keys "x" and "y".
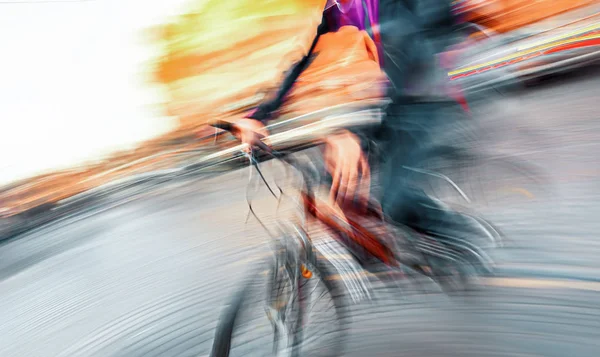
{"x": 411, "y": 130}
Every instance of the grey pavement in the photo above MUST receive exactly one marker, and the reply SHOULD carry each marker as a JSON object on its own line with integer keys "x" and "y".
{"x": 148, "y": 275}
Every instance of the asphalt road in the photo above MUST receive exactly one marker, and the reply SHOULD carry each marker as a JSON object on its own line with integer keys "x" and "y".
{"x": 148, "y": 276}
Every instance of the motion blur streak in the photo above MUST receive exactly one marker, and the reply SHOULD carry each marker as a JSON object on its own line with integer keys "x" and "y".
{"x": 140, "y": 255}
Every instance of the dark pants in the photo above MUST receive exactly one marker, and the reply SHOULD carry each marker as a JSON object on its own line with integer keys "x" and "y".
{"x": 412, "y": 32}
{"x": 412, "y": 135}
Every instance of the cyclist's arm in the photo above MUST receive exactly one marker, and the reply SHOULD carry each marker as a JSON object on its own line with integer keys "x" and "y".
{"x": 264, "y": 110}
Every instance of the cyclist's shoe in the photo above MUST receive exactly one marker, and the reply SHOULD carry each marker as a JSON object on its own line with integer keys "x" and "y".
{"x": 458, "y": 241}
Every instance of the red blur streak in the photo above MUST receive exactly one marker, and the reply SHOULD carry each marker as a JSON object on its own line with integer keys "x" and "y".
{"x": 566, "y": 47}
{"x": 458, "y": 95}
{"x": 572, "y": 46}
{"x": 455, "y": 91}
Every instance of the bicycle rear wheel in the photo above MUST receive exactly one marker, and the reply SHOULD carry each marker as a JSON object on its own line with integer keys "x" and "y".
{"x": 279, "y": 312}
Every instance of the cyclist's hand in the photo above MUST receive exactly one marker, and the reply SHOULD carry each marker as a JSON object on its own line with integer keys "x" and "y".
{"x": 250, "y": 132}
{"x": 348, "y": 166}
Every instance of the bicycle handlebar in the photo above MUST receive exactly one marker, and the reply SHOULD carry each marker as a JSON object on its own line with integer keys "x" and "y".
{"x": 230, "y": 127}
{"x": 221, "y": 124}
{"x": 285, "y": 157}
{"x": 313, "y": 127}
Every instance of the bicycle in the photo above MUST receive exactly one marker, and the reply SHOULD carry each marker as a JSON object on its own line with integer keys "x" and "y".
{"x": 334, "y": 265}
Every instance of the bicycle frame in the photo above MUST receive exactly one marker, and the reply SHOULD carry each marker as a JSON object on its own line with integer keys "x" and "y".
{"x": 341, "y": 225}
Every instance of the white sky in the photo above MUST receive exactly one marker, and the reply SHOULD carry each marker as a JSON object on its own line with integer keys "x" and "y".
{"x": 70, "y": 83}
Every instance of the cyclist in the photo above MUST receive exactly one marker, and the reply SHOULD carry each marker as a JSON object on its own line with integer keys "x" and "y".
{"x": 408, "y": 34}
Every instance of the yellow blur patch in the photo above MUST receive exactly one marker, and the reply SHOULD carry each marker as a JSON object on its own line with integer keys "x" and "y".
{"x": 223, "y": 52}
{"x": 521, "y": 191}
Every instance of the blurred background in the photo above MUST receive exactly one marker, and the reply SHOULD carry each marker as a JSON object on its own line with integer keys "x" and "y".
{"x": 102, "y": 254}
{"x": 119, "y": 83}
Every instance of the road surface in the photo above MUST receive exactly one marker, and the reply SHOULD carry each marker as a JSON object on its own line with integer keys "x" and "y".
{"x": 148, "y": 276}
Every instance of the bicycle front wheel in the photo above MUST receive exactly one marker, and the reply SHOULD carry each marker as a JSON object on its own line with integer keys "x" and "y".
{"x": 282, "y": 312}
